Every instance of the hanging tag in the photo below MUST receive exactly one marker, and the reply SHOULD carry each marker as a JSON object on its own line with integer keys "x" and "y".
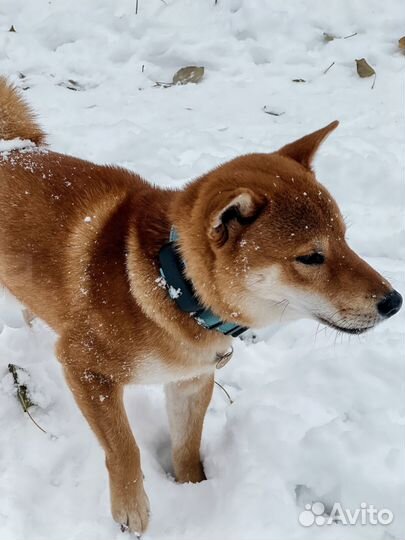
{"x": 223, "y": 358}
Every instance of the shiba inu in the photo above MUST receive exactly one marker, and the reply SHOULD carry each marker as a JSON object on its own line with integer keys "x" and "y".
{"x": 149, "y": 285}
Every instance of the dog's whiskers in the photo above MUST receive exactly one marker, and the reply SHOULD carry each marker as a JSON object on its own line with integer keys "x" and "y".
{"x": 285, "y": 307}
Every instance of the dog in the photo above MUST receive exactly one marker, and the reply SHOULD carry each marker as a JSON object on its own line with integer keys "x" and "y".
{"x": 150, "y": 285}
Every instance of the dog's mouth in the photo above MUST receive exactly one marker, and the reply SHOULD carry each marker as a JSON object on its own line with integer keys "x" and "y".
{"x": 346, "y": 329}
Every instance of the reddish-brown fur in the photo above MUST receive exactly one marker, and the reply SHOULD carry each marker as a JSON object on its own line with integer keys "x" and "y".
{"x": 79, "y": 245}
{"x": 16, "y": 118}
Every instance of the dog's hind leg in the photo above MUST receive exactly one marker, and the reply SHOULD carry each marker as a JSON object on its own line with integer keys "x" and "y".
{"x": 187, "y": 402}
{"x": 101, "y": 402}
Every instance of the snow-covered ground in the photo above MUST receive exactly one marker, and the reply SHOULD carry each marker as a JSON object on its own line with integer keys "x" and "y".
{"x": 315, "y": 417}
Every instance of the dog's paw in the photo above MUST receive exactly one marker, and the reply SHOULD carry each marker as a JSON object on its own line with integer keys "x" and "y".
{"x": 130, "y": 508}
{"x": 187, "y": 472}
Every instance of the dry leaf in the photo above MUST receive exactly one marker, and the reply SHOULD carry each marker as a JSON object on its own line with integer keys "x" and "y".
{"x": 12, "y": 29}
{"x": 328, "y": 37}
{"x": 22, "y": 390}
{"x": 401, "y": 42}
{"x": 189, "y": 74}
{"x": 364, "y": 69}
{"x": 23, "y": 393}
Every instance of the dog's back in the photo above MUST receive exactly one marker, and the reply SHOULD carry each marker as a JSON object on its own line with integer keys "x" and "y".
{"x": 52, "y": 210}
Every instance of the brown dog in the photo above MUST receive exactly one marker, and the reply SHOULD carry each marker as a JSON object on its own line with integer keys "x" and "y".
{"x": 80, "y": 245}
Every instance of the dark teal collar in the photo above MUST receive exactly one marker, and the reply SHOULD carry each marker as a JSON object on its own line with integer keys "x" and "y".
{"x": 181, "y": 290}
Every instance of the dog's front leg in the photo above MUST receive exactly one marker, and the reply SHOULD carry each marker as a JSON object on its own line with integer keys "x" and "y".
{"x": 187, "y": 402}
{"x": 101, "y": 402}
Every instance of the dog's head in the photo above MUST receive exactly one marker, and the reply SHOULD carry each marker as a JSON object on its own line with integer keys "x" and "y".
{"x": 263, "y": 239}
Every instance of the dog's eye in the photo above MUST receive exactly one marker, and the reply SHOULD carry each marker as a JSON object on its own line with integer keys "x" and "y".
{"x": 312, "y": 259}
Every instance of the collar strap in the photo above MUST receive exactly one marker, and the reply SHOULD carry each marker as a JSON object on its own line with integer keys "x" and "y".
{"x": 181, "y": 290}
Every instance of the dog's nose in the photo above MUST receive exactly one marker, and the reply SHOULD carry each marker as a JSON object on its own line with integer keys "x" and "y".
{"x": 390, "y": 304}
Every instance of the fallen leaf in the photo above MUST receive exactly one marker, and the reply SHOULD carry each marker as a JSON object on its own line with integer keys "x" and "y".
{"x": 23, "y": 394}
{"x": 22, "y": 391}
{"x": 328, "y": 37}
{"x": 12, "y": 29}
{"x": 401, "y": 42}
{"x": 189, "y": 74}
{"x": 364, "y": 69}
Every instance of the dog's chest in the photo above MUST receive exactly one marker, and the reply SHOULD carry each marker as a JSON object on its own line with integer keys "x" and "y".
{"x": 158, "y": 369}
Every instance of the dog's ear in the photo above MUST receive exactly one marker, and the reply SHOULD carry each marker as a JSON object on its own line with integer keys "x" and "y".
{"x": 303, "y": 150}
{"x": 237, "y": 207}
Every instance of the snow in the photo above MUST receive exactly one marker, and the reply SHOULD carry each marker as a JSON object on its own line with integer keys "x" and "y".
{"x": 174, "y": 293}
{"x": 14, "y": 144}
{"x": 316, "y": 417}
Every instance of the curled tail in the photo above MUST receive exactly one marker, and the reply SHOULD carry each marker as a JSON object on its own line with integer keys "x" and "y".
{"x": 17, "y": 120}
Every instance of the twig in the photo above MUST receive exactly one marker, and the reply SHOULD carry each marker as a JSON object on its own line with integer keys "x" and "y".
{"x": 25, "y": 409}
{"x": 328, "y": 68}
{"x": 351, "y": 35}
{"x": 372, "y": 86}
{"x": 22, "y": 394}
{"x": 225, "y": 392}
{"x": 36, "y": 423}
{"x": 136, "y": 7}
{"x": 272, "y": 113}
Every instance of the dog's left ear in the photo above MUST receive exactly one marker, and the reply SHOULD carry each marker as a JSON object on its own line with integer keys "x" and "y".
{"x": 238, "y": 207}
{"x": 303, "y": 150}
